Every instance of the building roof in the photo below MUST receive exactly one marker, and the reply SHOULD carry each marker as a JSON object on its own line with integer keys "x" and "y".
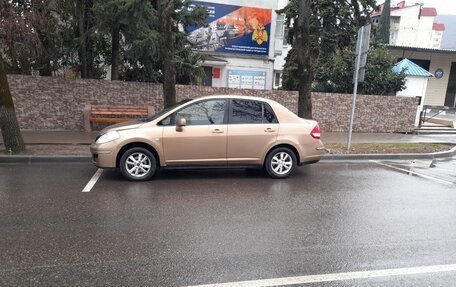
{"x": 213, "y": 59}
{"x": 438, "y": 27}
{"x": 410, "y": 69}
{"x": 419, "y": 49}
{"x": 425, "y": 11}
{"x": 428, "y": 11}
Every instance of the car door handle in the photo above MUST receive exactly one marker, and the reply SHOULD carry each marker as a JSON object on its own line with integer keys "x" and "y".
{"x": 217, "y": 131}
{"x": 269, "y": 130}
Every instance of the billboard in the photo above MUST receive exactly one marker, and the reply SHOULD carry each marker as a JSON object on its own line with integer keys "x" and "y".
{"x": 232, "y": 29}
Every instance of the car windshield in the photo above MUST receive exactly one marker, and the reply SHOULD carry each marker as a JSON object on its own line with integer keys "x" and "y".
{"x": 165, "y": 110}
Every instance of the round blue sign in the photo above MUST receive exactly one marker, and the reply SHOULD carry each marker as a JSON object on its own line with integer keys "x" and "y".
{"x": 438, "y": 73}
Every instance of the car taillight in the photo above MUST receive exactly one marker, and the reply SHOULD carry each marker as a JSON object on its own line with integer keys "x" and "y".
{"x": 316, "y": 133}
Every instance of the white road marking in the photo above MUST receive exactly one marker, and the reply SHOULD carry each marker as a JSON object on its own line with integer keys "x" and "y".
{"x": 93, "y": 180}
{"x": 336, "y": 276}
{"x": 413, "y": 172}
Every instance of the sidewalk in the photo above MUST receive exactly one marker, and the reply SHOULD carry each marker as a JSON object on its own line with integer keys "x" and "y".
{"x": 74, "y": 146}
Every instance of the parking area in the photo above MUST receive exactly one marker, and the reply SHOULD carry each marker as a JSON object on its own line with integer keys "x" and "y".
{"x": 225, "y": 226}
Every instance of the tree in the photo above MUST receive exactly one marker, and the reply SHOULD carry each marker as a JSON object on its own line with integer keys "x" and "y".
{"x": 84, "y": 29}
{"x": 9, "y": 125}
{"x": 317, "y": 29}
{"x": 166, "y": 10}
{"x": 127, "y": 22}
{"x": 305, "y": 55}
{"x": 82, "y": 38}
{"x": 188, "y": 67}
{"x": 48, "y": 36}
{"x": 174, "y": 14}
{"x": 379, "y": 79}
{"x": 18, "y": 35}
{"x": 187, "y": 62}
{"x": 384, "y": 27}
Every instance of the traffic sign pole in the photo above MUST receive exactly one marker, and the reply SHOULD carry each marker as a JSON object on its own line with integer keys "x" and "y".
{"x": 362, "y": 47}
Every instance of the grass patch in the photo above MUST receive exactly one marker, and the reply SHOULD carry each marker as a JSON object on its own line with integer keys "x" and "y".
{"x": 377, "y": 148}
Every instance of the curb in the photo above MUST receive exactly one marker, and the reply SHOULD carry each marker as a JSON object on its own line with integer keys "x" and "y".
{"x": 29, "y": 159}
{"x": 398, "y": 156}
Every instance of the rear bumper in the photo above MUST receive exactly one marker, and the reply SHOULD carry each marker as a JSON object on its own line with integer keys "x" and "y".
{"x": 311, "y": 159}
{"x": 313, "y": 154}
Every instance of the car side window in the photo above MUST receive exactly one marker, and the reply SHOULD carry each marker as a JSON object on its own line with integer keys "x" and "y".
{"x": 246, "y": 112}
{"x": 211, "y": 112}
{"x": 251, "y": 112}
{"x": 268, "y": 115}
{"x": 166, "y": 122}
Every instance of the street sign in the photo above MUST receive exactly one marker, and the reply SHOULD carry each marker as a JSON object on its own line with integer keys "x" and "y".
{"x": 362, "y": 48}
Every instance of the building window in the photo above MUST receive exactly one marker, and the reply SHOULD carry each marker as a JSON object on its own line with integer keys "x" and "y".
{"x": 277, "y": 79}
{"x": 393, "y": 37}
{"x": 279, "y": 26}
{"x": 285, "y": 36}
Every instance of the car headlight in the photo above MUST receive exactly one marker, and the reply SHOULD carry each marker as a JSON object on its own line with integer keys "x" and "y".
{"x": 108, "y": 137}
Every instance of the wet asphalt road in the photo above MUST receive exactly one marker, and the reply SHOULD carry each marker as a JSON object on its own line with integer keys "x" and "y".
{"x": 200, "y": 227}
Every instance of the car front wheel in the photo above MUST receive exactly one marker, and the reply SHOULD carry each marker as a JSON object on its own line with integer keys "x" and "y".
{"x": 280, "y": 163}
{"x": 138, "y": 164}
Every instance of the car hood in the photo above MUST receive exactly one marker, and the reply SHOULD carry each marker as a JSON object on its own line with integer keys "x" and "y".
{"x": 123, "y": 126}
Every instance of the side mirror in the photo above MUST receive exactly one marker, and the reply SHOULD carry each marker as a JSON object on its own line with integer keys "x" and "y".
{"x": 180, "y": 123}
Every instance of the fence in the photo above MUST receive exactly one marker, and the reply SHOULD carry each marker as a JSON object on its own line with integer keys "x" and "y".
{"x": 56, "y": 103}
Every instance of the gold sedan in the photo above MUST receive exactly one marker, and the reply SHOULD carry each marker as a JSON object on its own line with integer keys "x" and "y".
{"x": 226, "y": 131}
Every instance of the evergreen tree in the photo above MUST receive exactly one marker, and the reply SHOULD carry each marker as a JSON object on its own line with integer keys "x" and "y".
{"x": 166, "y": 10}
{"x": 127, "y": 22}
{"x": 317, "y": 29}
{"x": 84, "y": 32}
{"x": 173, "y": 16}
{"x": 384, "y": 27}
{"x": 379, "y": 79}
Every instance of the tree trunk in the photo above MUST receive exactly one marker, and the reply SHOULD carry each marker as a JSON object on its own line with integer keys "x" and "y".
{"x": 9, "y": 125}
{"x": 89, "y": 48}
{"x": 115, "y": 52}
{"x": 303, "y": 49}
{"x": 81, "y": 33}
{"x": 165, "y": 10}
{"x": 84, "y": 18}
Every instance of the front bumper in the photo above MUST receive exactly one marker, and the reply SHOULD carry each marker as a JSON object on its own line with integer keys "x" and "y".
{"x": 103, "y": 155}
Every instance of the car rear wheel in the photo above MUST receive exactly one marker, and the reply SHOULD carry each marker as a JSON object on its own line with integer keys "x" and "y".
{"x": 138, "y": 164}
{"x": 281, "y": 162}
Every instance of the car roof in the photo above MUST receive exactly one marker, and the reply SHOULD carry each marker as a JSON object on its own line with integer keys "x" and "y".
{"x": 252, "y": 98}
{"x": 283, "y": 114}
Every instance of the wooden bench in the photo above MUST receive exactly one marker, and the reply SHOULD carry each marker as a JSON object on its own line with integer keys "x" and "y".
{"x": 113, "y": 114}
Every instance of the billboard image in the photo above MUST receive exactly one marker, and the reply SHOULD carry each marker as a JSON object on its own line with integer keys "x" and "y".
{"x": 232, "y": 29}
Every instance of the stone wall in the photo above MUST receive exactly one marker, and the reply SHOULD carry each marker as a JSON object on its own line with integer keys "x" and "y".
{"x": 57, "y": 103}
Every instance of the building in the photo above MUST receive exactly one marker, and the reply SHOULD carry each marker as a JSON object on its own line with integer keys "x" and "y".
{"x": 240, "y": 43}
{"x": 441, "y": 88}
{"x": 413, "y": 26}
{"x": 416, "y": 83}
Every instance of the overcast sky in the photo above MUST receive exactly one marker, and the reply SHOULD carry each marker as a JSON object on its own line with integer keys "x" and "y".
{"x": 443, "y": 6}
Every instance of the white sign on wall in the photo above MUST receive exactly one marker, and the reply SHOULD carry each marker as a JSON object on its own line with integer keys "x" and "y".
{"x": 242, "y": 79}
